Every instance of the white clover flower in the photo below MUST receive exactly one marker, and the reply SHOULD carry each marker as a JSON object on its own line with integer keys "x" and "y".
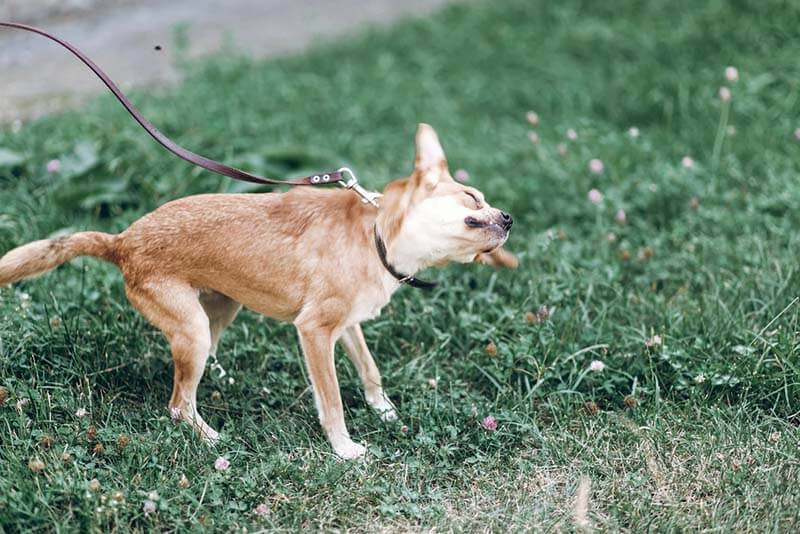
{"x": 596, "y": 166}
{"x": 654, "y": 341}
{"x": 53, "y": 166}
{"x": 149, "y": 507}
{"x": 221, "y": 464}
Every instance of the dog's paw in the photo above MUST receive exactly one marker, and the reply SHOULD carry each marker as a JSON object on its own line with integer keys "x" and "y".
{"x": 384, "y": 407}
{"x": 209, "y": 435}
{"x": 388, "y": 416}
{"x": 349, "y": 450}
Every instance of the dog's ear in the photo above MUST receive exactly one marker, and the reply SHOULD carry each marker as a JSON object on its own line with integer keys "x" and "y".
{"x": 499, "y": 257}
{"x": 430, "y": 165}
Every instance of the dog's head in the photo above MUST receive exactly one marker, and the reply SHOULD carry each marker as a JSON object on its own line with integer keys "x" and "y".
{"x": 429, "y": 219}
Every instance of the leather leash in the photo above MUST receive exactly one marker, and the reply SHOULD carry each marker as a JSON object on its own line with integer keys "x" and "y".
{"x": 343, "y": 176}
{"x": 339, "y": 176}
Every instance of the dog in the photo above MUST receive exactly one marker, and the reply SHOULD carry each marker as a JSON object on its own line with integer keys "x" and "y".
{"x": 322, "y": 259}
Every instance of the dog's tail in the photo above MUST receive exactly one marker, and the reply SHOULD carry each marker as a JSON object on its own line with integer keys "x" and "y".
{"x": 38, "y": 257}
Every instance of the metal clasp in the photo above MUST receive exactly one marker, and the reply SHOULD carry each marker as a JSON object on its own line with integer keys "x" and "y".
{"x": 367, "y": 197}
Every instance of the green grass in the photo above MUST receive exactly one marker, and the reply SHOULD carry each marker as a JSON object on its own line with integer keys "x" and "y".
{"x": 707, "y": 260}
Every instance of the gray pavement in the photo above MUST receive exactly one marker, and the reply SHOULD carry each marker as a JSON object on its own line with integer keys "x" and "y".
{"x": 38, "y": 77}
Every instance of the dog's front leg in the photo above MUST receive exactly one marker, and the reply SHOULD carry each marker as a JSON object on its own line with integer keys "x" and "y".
{"x": 317, "y": 345}
{"x": 356, "y": 348}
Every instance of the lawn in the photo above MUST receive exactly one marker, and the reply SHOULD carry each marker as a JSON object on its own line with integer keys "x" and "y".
{"x": 671, "y": 264}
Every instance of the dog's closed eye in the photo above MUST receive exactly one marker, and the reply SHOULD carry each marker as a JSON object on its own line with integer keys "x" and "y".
{"x": 475, "y": 199}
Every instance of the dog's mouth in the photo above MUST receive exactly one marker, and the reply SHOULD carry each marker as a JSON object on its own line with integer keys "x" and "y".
{"x": 501, "y": 223}
{"x": 502, "y": 228}
{"x": 497, "y": 229}
{"x": 472, "y": 222}
{"x": 499, "y": 234}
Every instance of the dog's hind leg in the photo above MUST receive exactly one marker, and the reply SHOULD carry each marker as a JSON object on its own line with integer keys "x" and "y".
{"x": 356, "y": 348}
{"x": 221, "y": 312}
{"x": 174, "y": 308}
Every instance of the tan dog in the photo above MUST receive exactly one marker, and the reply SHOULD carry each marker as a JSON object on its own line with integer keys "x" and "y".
{"x": 309, "y": 256}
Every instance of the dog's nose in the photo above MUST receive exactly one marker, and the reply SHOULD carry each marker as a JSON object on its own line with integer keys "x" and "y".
{"x": 507, "y": 220}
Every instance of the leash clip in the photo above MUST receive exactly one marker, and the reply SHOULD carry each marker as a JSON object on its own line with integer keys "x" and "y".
{"x": 367, "y": 197}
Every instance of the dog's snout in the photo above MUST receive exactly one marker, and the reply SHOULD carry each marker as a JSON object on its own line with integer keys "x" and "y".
{"x": 507, "y": 220}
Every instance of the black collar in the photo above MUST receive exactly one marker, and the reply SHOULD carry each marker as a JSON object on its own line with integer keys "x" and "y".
{"x": 402, "y": 278}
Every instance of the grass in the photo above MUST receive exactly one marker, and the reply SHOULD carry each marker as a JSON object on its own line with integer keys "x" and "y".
{"x": 707, "y": 260}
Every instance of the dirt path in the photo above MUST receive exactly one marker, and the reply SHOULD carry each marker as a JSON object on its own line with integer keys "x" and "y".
{"x": 37, "y": 77}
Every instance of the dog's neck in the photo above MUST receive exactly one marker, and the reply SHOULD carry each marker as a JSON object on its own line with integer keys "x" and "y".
{"x": 403, "y": 254}
{"x": 399, "y": 276}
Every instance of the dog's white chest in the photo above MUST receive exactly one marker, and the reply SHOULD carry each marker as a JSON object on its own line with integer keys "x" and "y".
{"x": 368, "y": 305}
{"x": 366, "y": 310}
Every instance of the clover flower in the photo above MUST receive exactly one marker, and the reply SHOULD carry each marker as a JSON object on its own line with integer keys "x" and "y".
{"x": 53, "y": 166}
{"x": 221, "y": 464}
{"x": 149, "y": 507}
{"x": 654, "y": 341}
{"x": 35, "y": 465}
{"x": 489, "y": 423}
{"x": 543, "y": 313}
